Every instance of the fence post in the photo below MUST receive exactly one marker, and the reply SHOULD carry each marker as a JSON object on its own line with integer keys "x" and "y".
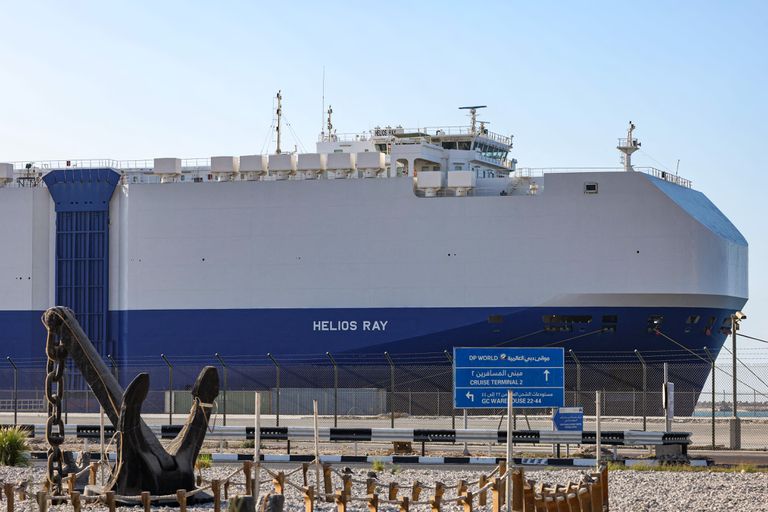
{"x": 224, "y": 396}
{"x": 645, "y": 386}
{"x": 598, "y": 435}
{"x": 277, "y": 388}
{"x": 335, "y": 390}
{"x": 578, "y": 375}
{"x": 391, "y": 390}
{"x": 735, "y": 430}
{"x": 170, "y": 389}
{"x": 15, "y": 390}
{"x": 712, "y": 361}
{"x": 453, "y": 411}
{"x": 113, "y": 365}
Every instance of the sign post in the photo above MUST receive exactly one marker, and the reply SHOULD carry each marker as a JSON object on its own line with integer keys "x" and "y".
{"x": 483, "y": 377}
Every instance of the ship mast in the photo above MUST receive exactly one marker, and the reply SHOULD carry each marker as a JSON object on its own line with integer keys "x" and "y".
{"x": 473, "y": 116}
{"x": 628, "y": 146}
{"x": 279, "y": 116}
{"x": 330, "y": 124}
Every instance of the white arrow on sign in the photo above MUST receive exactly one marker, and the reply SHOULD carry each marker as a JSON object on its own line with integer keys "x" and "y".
{"x": 546, "y": 375}
{"x": 470, "y": 396}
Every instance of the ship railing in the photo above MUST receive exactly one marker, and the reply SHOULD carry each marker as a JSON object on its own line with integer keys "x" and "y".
{"x": 538, "y": 172}
{"x": 534, "y": 172}
{"x": 46, "y": 165}
{"x": 666, "y": 176}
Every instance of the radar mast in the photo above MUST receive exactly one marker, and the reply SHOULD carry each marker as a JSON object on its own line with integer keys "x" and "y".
{"x": 628, "y": 146}
{"x": 473, "y": 115}
{"x": 279, "y": 115}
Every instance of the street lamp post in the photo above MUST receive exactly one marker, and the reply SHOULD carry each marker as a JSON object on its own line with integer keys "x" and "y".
{"x": 645, "y": 386}
{"x": 224, "y": 366}
{"x": 735, "y": 429}
{"x": 113, "y": 364}
{"x": 712, "y": 361}
{"x": 453, "y": 410}
{"x": 335, "y": 389}
{"x": 170, "y": 389}
{"x": 277, "y": 385}
{"x": 15, "y": 389}
{"x": 391, "y": 390}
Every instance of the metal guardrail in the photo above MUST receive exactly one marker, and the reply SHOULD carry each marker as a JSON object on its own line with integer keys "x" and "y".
{"x": 329, "y": 434}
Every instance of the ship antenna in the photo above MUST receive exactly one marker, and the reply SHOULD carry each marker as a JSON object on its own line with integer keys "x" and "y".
{"x": 629, "y": 146}
{"x": 279, "y": 115}
{"x": 330, "y": 124}
{"x": 473, "y": 116}
{"x": 322, "y": 112}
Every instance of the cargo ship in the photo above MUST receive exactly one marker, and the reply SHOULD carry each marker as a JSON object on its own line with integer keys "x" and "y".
{"x": 405, "y": 241}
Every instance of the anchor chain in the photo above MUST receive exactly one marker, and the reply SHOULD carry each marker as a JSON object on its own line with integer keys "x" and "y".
{"x": 54, "y": 427}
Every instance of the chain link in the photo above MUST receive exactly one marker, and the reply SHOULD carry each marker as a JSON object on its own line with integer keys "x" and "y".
{"x": 54, "y": 427}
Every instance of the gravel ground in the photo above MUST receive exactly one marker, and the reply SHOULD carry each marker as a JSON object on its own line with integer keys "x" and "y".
{"x": 630, "y": 491}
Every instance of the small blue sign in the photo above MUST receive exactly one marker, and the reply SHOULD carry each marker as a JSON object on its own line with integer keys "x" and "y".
{"x": 482, "y": 377}
{"x": 568, "y": 419}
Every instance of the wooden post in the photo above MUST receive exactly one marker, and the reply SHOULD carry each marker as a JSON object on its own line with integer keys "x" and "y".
{"x": 370, "y": 486}
{"x": 346, "y": 485}
{"x": 467, "y": 500}
{"x": 146, "y": 501}
{"x": 604, "y": 483}
{"x": 573, "y": 502}
{"x": 327, "y": 483}
{"x": 562, "y": 504}
{"x": 92, "y": 470}
{"x": 461, "y": 490}
{"x": 256, "y": 444}
{"x": 404, "y": 504}
{"x": 304, "y": 469}
{"x": 482, "y": 498}
{"x": 416, "y": 491}
{"x": 528, "y": 504}
{"x": 111, "y": 501}
{"x": 309, "y": 499}
{"x": 549, "y": 502}
{"x": 341, "y": 501}
{"x": 181, "y": 497}
{"x": 584, "y": 502}
{"x": 496, "y": 493}
{"x": 596, "y": 495}
{"x": 216, "y": 491}
{"x": 538, "y": 502}
{"x": 247, "y": 470}
{"x": 71, "y": 483}
{"x": 373, "y": 503}
{"x": 8, "y": 490}
{"x": 316, "y": 429}
{"x": 392, "y": 491}
{"x": 439, "y": 490}
{"x": 42, "y": 500}
{"x": 75, "y": 497}
{"x": 279, "y": 482}
{"x": 517, "y": 490}
{"x": 226, "y": 490}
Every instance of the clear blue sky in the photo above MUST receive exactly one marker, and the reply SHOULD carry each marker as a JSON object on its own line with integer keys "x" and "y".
{"x": 193, "y": 79}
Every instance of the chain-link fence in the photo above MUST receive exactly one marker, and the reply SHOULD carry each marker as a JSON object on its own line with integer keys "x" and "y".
{"x": 413, "y": 391}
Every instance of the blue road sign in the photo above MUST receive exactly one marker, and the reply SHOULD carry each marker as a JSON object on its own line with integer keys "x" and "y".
{"x": 568, "y": 418}
{"x": 482, "y": 376}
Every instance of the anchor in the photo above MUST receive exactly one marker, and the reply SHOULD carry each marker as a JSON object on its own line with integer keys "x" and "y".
{"x": 143, "y": 464}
